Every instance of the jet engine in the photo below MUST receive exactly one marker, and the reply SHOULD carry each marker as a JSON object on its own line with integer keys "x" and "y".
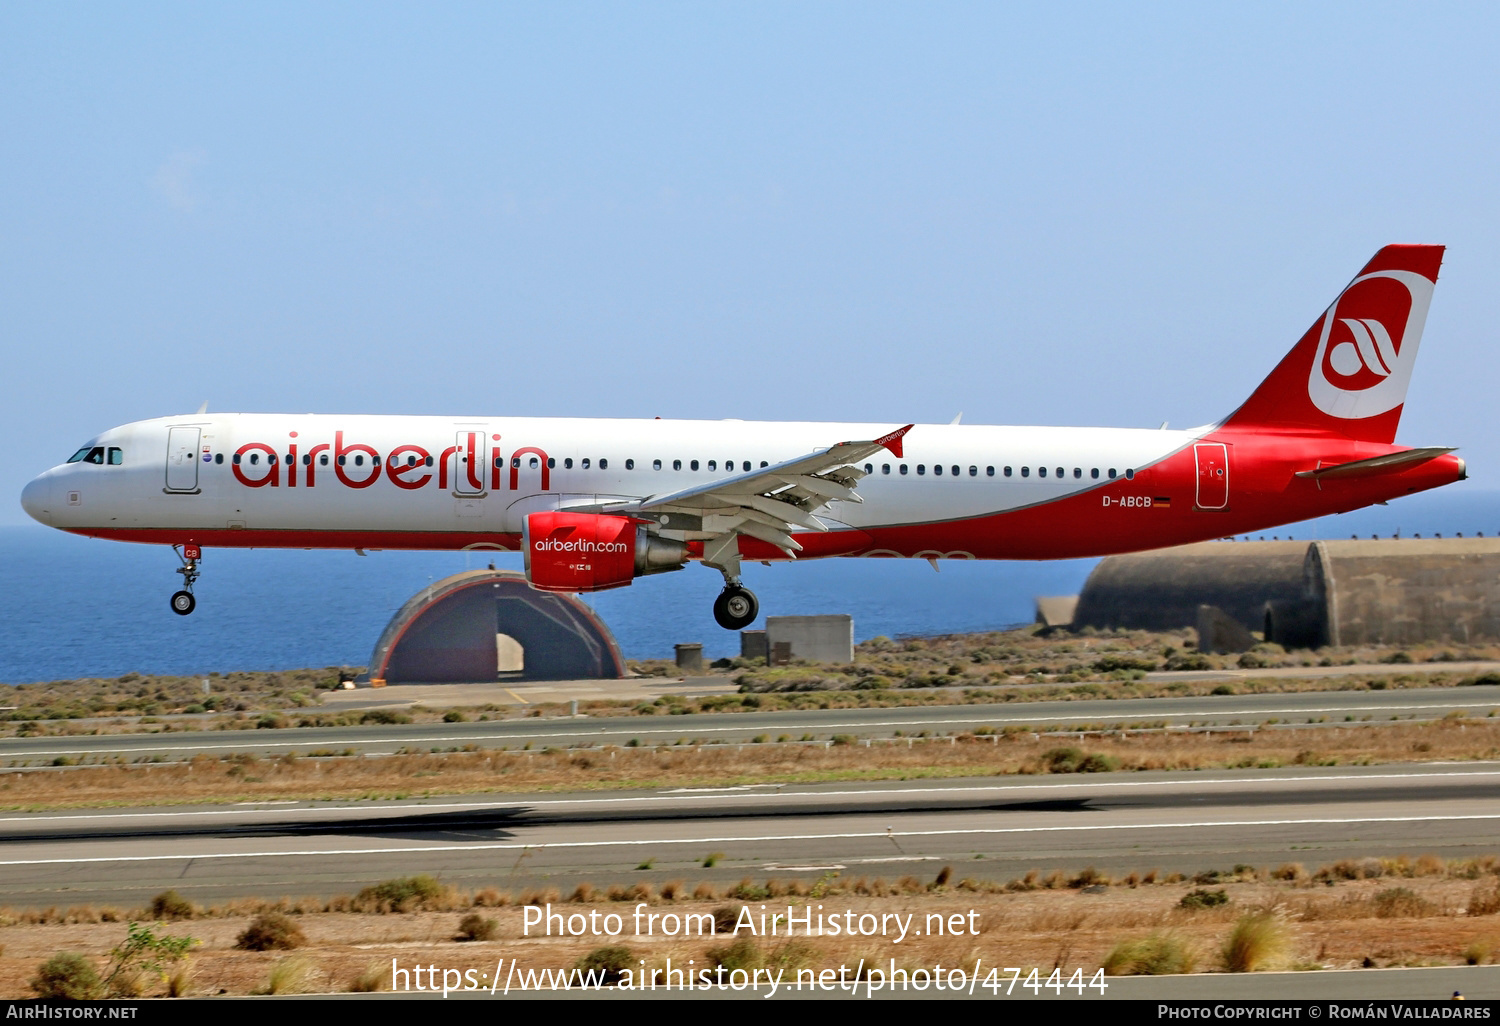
{"x": 591, "y": 552}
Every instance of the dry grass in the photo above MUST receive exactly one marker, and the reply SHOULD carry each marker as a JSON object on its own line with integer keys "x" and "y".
{"x": 1006, "y": 752}
{"x": 1336, "y": 923}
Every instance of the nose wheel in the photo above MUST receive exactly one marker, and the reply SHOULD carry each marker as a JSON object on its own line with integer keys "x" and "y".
{"x": 183, "y": 601}
{"x": 736, "y": 608}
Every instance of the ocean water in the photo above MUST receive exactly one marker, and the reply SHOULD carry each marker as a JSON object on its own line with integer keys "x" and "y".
{"x": 76, "y": 607}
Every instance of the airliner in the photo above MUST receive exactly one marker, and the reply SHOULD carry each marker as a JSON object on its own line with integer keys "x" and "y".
{"x": 594, "y": 504}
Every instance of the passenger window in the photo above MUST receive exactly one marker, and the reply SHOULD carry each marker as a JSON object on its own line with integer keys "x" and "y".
{"x": 885, "y": 468}
{"x": 342, "y": 460}
{"x": 1094, "y": 473}
{"x": 1025, "y": 471}
{"x": 323, "y": 460}
{"x": 1111, "y": 473}
{"x": 713, "y": 464}
{"x": 568, "y": 463}
{"x": 219, "y": 457}
{"x": 585, "y": 463}
{"x": 1077, "y": 471}
{"x": 359, "y": 460}
{"x": 427, "y": 461}
{"x": 1007, "y": 472}
{"x": 603, "y": 464}
{"x": 499, "y": 461}
{"x": 1040, "y": 472}
{"x": 515, "y": 462}
{"x": 236, "y": 459}
{"x": 903, "y": 468}
{"x": 1129, "y": 474}
{"x": 745, "y": 466}
{"x": 974, "y": 471}
{"x": 116, "y": 456}
{"x": 676, "y": 464}
{"x": 289, "y": 460}
{"x": 937, "y": 470}
{"x": 1061, "y": 472}
{"x": 955, "y": 471}
{"x": 693, "y": 465}
{"x": 255, "y": 459}
{"x": 630, "y": 464}
{"x": 869, "y": 468}
{"x": 921, "y": 468}
{"x": 534, "y": 463}
{"x": 764, "y": 464}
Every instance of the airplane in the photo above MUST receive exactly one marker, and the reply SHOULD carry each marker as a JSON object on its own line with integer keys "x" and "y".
{"x": 594, "y": 504}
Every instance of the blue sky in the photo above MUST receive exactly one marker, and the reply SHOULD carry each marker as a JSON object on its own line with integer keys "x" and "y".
{"x": 1052, "y": 213}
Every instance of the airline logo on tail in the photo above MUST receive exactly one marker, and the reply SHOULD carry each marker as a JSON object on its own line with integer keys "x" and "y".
{"x": 1368, "y": 343}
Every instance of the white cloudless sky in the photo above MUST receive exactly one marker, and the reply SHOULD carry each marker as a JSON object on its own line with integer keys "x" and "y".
{"x": 1047, "y": 214}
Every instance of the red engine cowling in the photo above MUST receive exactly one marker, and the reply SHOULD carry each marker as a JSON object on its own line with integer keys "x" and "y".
{"x": 591, "y": 552}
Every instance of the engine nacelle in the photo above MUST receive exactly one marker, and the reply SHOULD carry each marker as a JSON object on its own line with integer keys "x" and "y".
{"x": 591, "y": 551}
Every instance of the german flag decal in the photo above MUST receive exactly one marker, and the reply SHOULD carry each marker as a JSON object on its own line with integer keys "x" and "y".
{"x": 1161, "y": 500}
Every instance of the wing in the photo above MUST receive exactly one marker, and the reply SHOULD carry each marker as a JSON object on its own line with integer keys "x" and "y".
{"x": 769, "y": 504}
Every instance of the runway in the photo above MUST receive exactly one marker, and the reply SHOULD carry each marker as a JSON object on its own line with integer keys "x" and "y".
{"x": 1267, "y": 710}
{"x": 993, "y": 828}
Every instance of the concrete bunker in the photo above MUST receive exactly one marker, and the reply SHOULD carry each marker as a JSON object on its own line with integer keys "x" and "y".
{"x": 490, "y": 625}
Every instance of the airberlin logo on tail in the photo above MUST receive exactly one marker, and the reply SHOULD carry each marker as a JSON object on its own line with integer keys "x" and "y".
{"x": 1368, "y": 343}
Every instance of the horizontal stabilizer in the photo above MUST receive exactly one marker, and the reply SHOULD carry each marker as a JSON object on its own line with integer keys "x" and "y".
{"x": 1388, "y": 464}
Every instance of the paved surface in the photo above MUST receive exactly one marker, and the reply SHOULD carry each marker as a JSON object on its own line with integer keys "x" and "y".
{"x": 995, "y": 829}
{"x": 1332, "y": 709}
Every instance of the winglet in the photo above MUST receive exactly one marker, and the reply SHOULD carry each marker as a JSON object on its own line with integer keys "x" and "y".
{"x": 892, "y": 441}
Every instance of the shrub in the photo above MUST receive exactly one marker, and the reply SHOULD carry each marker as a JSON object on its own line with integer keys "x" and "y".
{"x": 171, "y": 905}
{"x": 1074, "y": 760}
{"x": 1400, "y": 903}
{"x": 1259, "y": 940}
{"x": 1157, "y": 955}
{"x": 614, "y": 962}
{"x": 66, "y": 975}
{"x": 290, "y": 976}
{"x": 1200, "y": 898}
{"x": 742, "y": 954}
{"x": 376, "y": 977}
{"x": 475, "y": 927}
{"x": 403, "y": 894}
{"x": 271, "y": 931}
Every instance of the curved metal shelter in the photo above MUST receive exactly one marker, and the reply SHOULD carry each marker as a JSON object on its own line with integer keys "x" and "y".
{"x": 490, "y": 625}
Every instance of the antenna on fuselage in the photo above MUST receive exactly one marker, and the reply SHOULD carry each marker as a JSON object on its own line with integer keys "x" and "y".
{"x": 204, "y": 408}
{"x": 960, "y": 417}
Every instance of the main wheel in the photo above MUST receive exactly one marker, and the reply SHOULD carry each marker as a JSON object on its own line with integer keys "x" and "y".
{"x": 736, "y": 608}
{"x": 183, "y": 603}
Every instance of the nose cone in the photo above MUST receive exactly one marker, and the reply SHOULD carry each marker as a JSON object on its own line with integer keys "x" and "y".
{"x": 36, "y": 499}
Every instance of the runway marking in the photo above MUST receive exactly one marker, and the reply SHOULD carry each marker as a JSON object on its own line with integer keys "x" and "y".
{"x": 682, "y": 795}
{"x": 873, "y": 835}
{"x": 820, "y": 726}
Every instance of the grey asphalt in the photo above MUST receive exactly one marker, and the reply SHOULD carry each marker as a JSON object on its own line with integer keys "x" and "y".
{"x": 994, "y": 828}
{"x": 1223, "y": 711}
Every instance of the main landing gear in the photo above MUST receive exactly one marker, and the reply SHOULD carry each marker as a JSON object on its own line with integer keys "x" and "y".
{"x": 736, "y": 607}
{"x": 183, "y": 602}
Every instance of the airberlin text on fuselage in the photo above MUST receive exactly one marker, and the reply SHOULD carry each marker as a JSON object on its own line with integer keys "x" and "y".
{"x": 406, "y": 466}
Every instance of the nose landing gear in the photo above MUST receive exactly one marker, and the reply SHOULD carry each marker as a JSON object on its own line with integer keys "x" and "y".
{"x": 183, "y": 602}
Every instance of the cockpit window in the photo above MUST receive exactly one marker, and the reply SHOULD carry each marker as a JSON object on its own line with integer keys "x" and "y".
{"x": 88, "y": 454}
{"x": 117, "y": 456}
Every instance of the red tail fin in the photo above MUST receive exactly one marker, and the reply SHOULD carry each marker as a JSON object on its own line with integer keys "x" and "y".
{"x": 1348, "y": 374}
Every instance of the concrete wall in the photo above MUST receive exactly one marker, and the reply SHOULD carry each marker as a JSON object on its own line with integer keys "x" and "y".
{"x": 1306, "y": 594}
{"x": 818, "y": 639}
{"x": 1162, "y": 590}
